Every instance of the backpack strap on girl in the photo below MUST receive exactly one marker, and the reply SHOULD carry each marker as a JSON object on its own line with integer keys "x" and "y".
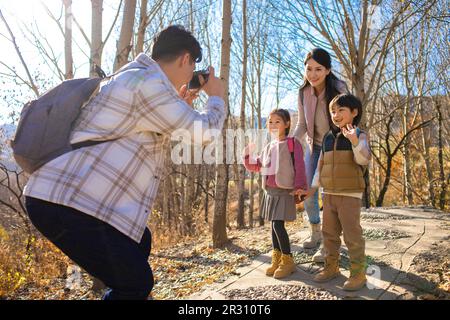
{"x": 290, "y": 142}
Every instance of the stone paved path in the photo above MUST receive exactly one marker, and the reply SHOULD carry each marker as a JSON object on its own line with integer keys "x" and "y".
{"x": 394, "y": 237}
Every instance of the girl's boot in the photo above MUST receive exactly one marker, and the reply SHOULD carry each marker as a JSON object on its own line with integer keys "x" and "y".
{"x": 286, "y": 267}
{"x": 276, "y": 258}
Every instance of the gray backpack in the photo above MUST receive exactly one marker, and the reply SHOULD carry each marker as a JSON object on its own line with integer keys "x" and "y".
{"x": 45, "y": 124}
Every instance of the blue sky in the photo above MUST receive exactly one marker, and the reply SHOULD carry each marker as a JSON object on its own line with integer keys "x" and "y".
{"x": 23, "y": 14}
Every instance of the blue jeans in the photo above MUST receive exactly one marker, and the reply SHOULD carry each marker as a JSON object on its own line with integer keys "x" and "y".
{"x": 100, "y": 249}
{"x": 312, "y": 203}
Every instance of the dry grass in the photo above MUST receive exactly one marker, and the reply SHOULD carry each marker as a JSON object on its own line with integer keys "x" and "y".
{"x": 38, "y": 267}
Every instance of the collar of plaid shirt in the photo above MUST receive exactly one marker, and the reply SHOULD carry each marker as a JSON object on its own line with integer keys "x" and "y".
{"x": 117, "y": 181}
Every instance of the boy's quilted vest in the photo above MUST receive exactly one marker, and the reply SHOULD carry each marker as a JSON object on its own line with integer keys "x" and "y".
{"x": 338, "y": 171}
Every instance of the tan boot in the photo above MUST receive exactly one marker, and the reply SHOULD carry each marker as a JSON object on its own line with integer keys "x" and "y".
{"x": 286, "y": 267}
{"x": 276, "y": 258}
{"x": 320, "y": 255}
{"x": 357, "y": 278}
{"x": 330, "y": 271}
{"x": 315, "y": 238}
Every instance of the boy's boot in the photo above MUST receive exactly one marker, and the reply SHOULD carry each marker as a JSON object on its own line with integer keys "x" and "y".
{"x": 276, "y": 258}
{"x": 315, "y": 238}
{"x": 286, "y": 267}
{"x": 357, "y": 278}
{"x": 330, "y": 271}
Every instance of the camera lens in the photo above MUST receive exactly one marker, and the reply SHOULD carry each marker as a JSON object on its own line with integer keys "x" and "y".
{"x": 195, "y": 81}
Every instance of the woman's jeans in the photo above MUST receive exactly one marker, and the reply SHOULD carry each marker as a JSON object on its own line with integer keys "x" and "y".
{"x": 97, "y": 247}
{"x": 312, "y": 203}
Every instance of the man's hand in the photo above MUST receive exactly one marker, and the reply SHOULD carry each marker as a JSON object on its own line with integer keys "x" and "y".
{"x": 350, "y": 133}
{"x": 188, "y": 95}
{"x": 214, "y": 86}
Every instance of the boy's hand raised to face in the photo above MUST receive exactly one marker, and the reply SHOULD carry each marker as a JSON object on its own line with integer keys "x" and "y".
{"x": 349, "y": 131}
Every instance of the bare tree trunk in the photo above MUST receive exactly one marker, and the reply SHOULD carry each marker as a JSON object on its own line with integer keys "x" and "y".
{"x": 407, "y": 158}
{"x": 190, "y": 168}
{"x": 126, "y": 32}
{"x": 405, "y": 120}
{"x": 421, "y": 67}
{"x": 142, "y": 26}
{"x": 259, "y": 67}
{"x": 260, "y": 189}
{"x": 167, "y": 192}
{"x": 389, "y": 156}
{"x": 191, "y": 16}
{"x": 220, "y": 237}
{"x": 277, "y": 89}
{"x": 206, "y": 184}
{"x": 96, "y": 35}
{"x": 443, "y": 180}
{"x": 241, "y": 182}
{"x": 251, "y": 191}
{"x": 427, "y": 158}
{"x": 68, "y": 39}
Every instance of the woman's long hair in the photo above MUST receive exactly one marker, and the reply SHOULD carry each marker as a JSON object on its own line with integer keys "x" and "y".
{"x": 323, "y": 58}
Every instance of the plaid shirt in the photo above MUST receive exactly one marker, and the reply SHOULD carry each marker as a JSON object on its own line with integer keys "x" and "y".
{"x": 117, "y": 181}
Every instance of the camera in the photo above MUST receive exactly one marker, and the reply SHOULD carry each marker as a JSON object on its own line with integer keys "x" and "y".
{"x": 195, "y": 81}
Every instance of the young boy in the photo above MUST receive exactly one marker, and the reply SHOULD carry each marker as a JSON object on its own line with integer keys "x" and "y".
{"x": 345, "y": 153}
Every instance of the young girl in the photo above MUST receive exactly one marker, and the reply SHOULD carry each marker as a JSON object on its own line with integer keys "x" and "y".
{"x": 281, "y": 178}
{"x": 345, "y": 152}
{"x": 319, "y": 87}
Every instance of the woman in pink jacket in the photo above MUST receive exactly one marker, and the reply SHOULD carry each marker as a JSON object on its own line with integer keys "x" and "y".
{"x": 320, "y": 86}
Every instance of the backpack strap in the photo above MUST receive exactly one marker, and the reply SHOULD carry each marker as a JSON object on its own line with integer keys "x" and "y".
{"x": 102, "y": 75}
{"x": 89, "y": 143}
{"x": 291, "y": 146}
{"x": 290, "y": 142}
{"x": 99, "y": 71}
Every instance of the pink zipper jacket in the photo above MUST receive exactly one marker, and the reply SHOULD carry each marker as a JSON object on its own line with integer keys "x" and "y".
{"x": 285, "y": 170}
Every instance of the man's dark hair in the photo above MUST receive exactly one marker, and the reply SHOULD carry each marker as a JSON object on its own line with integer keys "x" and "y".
{"x": 348, "y": 100}
{"x": 174, "y": 41}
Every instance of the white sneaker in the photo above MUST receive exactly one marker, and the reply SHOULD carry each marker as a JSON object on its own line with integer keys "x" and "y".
{"x": 316, "y": 237}
{"x": 320, "y": 255}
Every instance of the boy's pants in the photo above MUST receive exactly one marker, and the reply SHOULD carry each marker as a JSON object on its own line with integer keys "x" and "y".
{"x": 342, "y": 214}
{"x": 97, "y": 247}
